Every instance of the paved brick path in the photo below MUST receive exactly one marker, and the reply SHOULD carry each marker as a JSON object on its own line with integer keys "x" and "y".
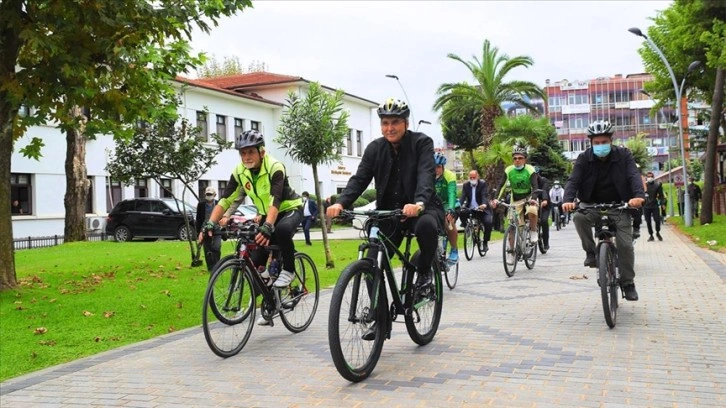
{"x": 535, "y": 340}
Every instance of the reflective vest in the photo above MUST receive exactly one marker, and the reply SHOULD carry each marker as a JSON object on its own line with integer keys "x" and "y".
{"x": 257, "y": 188}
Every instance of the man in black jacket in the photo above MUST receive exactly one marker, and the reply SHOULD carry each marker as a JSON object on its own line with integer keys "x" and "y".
{"x": 606, "y": 174}
{"x": 213, "y": 244}
{"x": 402, "y": 164}
{"x": 480, "y": 201}
{"x": 653, "y": 196}
{"x": 545, "y": 208}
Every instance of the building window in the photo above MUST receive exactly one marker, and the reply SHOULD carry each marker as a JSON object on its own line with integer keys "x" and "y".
{"x": 221, "y": 185}
{"x": 202, "y": 185}
{"x": 254, "y": 125}
{"x": 21, "y": 191}
{"x": 577, "y": 99}
{"x": 349, "y": 142}
{"x": 554, "y": 101}
{"x": 113, "y": 188}
{"x": 166, "y": 190}
{"x": 239, "y": 127}
{"x": 140, "y": 189}
{"x": 359, "y": 142}
{"x": 24, "y": 111}
{"x": 578, "y": 123}
{"x": 222, "y": 126}
{"x": 89, "y": 197}
{"x": 202, "y": 125}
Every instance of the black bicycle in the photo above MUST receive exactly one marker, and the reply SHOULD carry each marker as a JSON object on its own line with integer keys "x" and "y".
{"x": 361, "y": 317}
{"x": 451, "y": 272}
{"x": 230, "y": 301}
{"x": 473, "y": 234}
{"x": 606, "y": 255}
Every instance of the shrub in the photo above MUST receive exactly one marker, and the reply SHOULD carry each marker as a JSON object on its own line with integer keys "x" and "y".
{"x": 360, "y": 202}
{"x": 369, "y": 194}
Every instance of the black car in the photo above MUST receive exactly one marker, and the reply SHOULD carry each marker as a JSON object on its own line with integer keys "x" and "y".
{"x": 149, "y": 218}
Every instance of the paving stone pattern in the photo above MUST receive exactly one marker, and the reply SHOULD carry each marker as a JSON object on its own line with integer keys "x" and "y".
{"x": 537, "y": 339}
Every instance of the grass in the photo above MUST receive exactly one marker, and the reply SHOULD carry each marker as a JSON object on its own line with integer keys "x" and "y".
{"x": 711, "y": 236}
{"x": 83, "y": 298}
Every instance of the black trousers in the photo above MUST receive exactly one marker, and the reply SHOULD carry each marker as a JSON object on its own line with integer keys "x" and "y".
{"x": 652, "y": 213}
{"x": 543, "y": 221}
{"x": 426, "y": 227}
{"x": 285, "y": 227}
{"x": 485, "y": 219}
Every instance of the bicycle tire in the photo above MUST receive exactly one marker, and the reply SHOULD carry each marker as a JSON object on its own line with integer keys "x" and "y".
{"x": 346, "y": 326}
{"x": 480, "y": 242}
{"x": 608, "y": 284}
{"x": 300, "y": 300}
{"x": 469, "y": 241}
{"x": 422, "y": 320}
{"x": 530, "y": 249}
{"x": 540, "y": 241}
{"x": 228, "y": 311}
{"x": 558, "y": 220}
{"x": 510, "y": 269}
{"x": 451, "y": 274}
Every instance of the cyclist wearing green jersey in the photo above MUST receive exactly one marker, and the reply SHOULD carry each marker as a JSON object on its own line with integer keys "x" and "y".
{"x": 445, "y": 186}
{"x": 522, "y": 178}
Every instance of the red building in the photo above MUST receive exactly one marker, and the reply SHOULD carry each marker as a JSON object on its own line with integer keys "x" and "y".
{"x": 572, "y": 105}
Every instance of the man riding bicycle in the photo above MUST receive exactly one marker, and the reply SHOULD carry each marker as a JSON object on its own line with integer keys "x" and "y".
{"x": 606, "y": 174}
{"x": 402, "y": 164}
{"x": 556, "y": 195}
{"x": 445, "y": 186}
{"x": 263, "y": 179}
{"x": 475, "y": 196}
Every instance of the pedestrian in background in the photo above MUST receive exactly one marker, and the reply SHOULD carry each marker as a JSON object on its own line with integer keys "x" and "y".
{"x": 310, "y": 211}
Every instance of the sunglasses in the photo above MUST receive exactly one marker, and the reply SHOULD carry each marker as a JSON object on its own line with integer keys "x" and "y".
{"x": 517, "y": 158}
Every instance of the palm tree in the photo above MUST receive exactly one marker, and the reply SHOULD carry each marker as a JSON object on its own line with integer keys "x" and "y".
{"x": 487, "y": 94}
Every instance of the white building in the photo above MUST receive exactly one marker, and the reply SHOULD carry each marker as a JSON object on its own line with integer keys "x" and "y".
{"x": 234, "y": 104}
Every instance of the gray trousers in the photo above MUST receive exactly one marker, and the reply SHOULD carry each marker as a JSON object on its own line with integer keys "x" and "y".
{"x": 585, "y": 223}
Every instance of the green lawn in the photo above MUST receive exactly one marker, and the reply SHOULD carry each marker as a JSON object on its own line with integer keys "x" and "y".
{"x": 712, "y": 236}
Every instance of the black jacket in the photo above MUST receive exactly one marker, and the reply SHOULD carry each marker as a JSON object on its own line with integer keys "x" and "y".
{"x": 482, "y": 195}
{"x": 417, "y": 171}
{"x": 622, "y": 171}
{"x": 654, "y": 189}
{"x": 200, "y": 220}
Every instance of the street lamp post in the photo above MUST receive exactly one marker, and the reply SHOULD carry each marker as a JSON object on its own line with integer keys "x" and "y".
{"x": 404, "y": 94}
{"x": 425, "y": 122}
{"x": 688, "y": 216}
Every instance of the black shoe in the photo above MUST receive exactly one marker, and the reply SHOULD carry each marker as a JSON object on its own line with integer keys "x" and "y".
{"x": 370, "y": 333}
{"x": 636, "y": 233}
{"x": 547, "y": 247}
{"x": 651, "y": 239}
{"x": 423, "y": 280}
{"x": 486, "y": 247}
{"x": 308, "y": 243}
{"x": 630, "y": 292}
{"x": 657, "y": 234}
{"x": 330, "y": 232}
{"x": 590, "y": 261}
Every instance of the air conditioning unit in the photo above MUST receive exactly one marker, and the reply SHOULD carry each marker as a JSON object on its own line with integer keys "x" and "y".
{"x": 95, "y": 223}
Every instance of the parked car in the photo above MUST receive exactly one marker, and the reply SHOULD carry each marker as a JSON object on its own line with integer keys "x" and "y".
{"x": 244, "y": 212}
{"x": 150, "y": 218}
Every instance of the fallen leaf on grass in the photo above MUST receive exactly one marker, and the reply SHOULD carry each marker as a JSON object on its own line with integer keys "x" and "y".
{"x": 179, "y": 305}
{"x": 712, "y": 242}
{"x": 142, "y": 306}
{"x": 47, "y": 342}
{"x": 108, "y": 314}
{"x": 583, "y": 276}
{"x": 165, "y": 292}
{"x": 172, "y": 329}
{"x": 87, "y": 313}
{"x": 40, "y": 330}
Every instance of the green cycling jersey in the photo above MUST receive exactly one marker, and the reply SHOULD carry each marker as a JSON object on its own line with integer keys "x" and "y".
{"x": 521, "y": 182}
{"x": 446, "y": 189}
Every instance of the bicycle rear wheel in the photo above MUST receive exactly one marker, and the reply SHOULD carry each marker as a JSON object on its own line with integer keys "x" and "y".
{"x": 351, "y": 315}
{"x": 509, "y": 252}
{"x": 540, "y": 242}
{"x": 469, "y": 241}
{"x": 530, "y": 249}
{"x": 229, "y": 309}
{"x": 558, "y": 220}
{"x": 300, "y": 299}
{"x": 608, "y": 284}
{"x": 422, "y": 319}
{"x": 480, "y": 241}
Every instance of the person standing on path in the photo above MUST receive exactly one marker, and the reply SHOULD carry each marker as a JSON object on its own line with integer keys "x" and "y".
{"x": 653, "y": 196}
{"x": 310, "y": 211}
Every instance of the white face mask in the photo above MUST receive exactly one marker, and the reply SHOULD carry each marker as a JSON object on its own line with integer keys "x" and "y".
{"x": 649, "y": 179}
{"x": 209, "y": 198}
{"x": 473, "y": 182}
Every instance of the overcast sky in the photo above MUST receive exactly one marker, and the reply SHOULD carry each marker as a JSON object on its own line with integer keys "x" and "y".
{"x": 352, "y": 45}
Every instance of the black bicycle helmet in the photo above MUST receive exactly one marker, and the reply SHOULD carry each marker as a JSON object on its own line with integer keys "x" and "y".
{"x": 249, "y": 138}
{"x": 394, "y": 107}
{"x": 520, "y": 150}
{"x": 600, "y": 128}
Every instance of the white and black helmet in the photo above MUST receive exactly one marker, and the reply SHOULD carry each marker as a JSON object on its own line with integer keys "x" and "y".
{"x": 519, "y": 150}
{"x": 249, "y": 138}
{"x": 600, "y": 128}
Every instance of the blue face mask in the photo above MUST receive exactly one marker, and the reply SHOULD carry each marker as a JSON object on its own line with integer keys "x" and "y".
{"x": 519, "y": 167}
{"x": 601, "y": 150}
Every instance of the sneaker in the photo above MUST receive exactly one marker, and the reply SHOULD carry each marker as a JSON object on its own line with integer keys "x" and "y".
{"x": 590, "y": 261}
{"x": 263, "y": 322}
{"x": 284, "y": 279}
{"x": 453, "y": 257}
{"x": 423, "y": 279}
{"x": 651, "y": 239}
{"x": 510, "y": 258}
{"x": 657, "y": 234}
{"x": 370, "y": 333}
{"x": 630, "y": 292}
{"x": 533, "y": 236}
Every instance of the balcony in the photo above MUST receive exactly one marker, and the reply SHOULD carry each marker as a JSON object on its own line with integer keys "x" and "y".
{"x": 573, "y": 109}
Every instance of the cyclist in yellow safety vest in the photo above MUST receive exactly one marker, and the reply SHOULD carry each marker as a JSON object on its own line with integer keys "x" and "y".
{"x": 445, "y": 186}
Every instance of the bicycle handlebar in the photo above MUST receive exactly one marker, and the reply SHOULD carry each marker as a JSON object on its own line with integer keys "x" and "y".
{"x": 584, "y": 208}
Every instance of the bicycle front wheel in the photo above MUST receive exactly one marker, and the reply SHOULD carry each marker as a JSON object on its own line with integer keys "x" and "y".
{"x": 451, "y": 274}
{"x": 229, "y": 309}
{"x": 424, "y": 315}
{"x": 558, "y": 220}
{"x": 540, "y": 242}
{"x": 530, "y": 249}
{"x": 509, "y": 251}
{"x": 608, "y": 284}
{"x": 469, "y": 241}
{"x": 356, "y": 330}
{"x": 300, "y": 300}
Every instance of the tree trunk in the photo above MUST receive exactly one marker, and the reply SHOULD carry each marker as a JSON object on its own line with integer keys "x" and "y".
{"x": 711, "y": 143}
{"x": 329, "y": 261}
{"x": 492, "y": 173}
{"x": 10, "y": 40}
{"x": 76, "y": 182}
